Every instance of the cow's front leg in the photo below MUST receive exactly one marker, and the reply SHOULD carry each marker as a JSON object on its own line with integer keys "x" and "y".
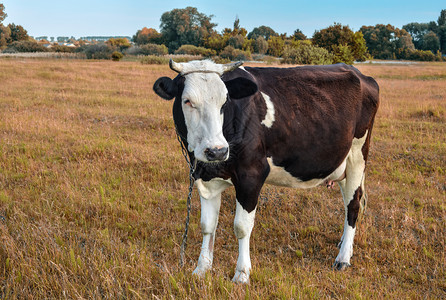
{"x": 243, "y": 224}
{"x": 210, "y": 197}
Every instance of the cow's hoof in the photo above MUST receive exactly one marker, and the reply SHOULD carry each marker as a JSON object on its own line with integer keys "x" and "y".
{"x": 340, "y": 266}
{"x": 241, "y": 277}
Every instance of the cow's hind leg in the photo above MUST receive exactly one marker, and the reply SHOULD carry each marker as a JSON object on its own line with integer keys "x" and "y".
{"x": 210, "y": 197}
{"x": 353, "y": 193}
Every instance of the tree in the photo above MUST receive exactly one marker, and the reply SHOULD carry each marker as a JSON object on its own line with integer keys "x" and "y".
{"x": 236, "y": 41}
{"x": 216, "y": 42}
{"x": 420, "y": 30}
{"x": 442, "y": 38}
{"x": 298, "y": 35}
{"x": 276, "y": 45}
{"x": 18, "y": 33}
{"x": 442, "y": 18}
{"x": 431, "y": 42}
{"x": 147, "y": 36}
{"x": 236, "y": 30}
{"x": 3, "y": 15}
{"x": 5, "y": 34}
{"x": 403, "y": 40}
{"x": 121, "y": 43}
{"x": 417, "y": 31}
{"x": 237, "y": 24}
{"x": 263, "y": 31}
{"x": 185, "y": 26}
{"x": 260, "y": 45}
{"x": 337, "y": 37}
{"x": 441, "y": 31}
{"x": 386, "y": 41}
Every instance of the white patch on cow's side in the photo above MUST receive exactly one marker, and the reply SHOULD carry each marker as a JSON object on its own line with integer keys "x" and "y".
{"x": 279, "y": 176}
{"x": 269, "y": 117}
{"x": 210, "y": 197}
{"x": 243, "y": 224}
{"x": 354, "y": 173}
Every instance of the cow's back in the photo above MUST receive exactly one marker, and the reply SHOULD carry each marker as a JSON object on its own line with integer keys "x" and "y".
{"x": 318, "y": 110}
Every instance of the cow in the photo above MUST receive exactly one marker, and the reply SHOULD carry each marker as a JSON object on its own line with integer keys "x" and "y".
{"x": 296, "y": 127}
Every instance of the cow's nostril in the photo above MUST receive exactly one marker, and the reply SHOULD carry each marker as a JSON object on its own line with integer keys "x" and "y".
{"x": 224, "y": 151}
{"x": 213, "y": 154}
{"x": 210, "y": 154}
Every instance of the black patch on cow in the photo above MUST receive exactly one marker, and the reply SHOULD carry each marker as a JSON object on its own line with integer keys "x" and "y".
{"x": 240, "y": 88}
{"x": 318, "y": 112}
{"x": 353, "y": 208}
{"x": 165, "y": 88}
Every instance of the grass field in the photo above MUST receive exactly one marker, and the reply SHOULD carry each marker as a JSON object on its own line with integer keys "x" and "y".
{"x": 93, "y": 194}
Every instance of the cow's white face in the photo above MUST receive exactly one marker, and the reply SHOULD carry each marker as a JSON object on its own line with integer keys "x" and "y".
{"x": 203, "y": 96}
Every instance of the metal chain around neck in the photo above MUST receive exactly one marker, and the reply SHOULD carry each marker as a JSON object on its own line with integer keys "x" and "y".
{"x": 189, "y": 196}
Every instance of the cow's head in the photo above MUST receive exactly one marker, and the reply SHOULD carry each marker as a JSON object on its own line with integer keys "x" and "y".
{"x": 203, "y": 95}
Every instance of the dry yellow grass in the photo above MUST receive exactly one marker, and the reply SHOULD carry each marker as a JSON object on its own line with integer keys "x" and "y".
{"x": 93, "y": 186}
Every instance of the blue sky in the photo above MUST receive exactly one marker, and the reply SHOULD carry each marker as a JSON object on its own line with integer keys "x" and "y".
{"x": 124, "y": 17}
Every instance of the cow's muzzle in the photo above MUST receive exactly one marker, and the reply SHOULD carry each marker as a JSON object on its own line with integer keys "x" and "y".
{"x": 216, "y": 154}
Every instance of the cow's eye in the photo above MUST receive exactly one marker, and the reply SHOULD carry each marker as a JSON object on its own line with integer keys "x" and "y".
{"x": 187, "y": 102}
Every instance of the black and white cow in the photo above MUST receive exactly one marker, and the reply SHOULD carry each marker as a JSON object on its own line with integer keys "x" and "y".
{"x": 296, "y": 127}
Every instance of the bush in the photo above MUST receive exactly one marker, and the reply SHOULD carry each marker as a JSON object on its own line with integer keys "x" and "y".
{"x": 98, "y": 51}
{"x": 148, "y": 49}
{"x": 343, "y": 54}
{"x": 260, "y": 45}
{"x": 194, "y": 50}
{"x": 304, "y": 53}
{"x": 9, "y": 50}
{"x": 276, "y": 46}
{"x": 418, "y": 55}
{"x": 154, "y": 60}
{"x": 219, "y": 60}
{"x": 121, "y": 43}
{"x": 117, "y": 56}
{"x": 269, "y": 60}
{"x": 236, "y": 41}
{"x": 161, "y": 60}
{"x": 62, "y": 49}
{"x": 154, "y": 49}
{"x": 26, "y": 46}
{"x": 421, "y": 55}
{"x": 235, "y": 54}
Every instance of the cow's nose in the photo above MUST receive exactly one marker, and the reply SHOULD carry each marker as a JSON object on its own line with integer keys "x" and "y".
{"x": 213, "y": 154}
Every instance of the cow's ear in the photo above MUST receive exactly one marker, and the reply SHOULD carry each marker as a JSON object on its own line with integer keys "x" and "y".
{"x": 240, "y": 88}
{"x": 165, "y": 88}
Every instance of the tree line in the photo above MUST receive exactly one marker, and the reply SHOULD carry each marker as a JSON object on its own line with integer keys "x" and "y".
{"x": 337, "y": 43}
{"x": 187, "y": 31}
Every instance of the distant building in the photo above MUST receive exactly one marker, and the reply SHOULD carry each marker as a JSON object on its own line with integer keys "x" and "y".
{"x": 104, "y": 38}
